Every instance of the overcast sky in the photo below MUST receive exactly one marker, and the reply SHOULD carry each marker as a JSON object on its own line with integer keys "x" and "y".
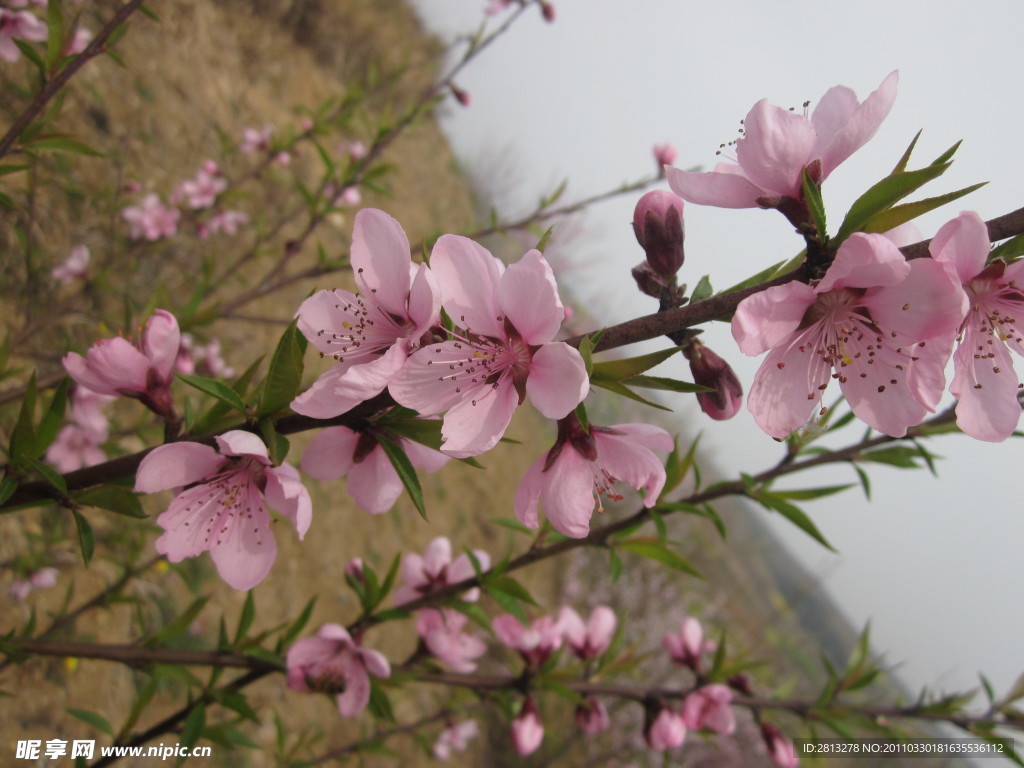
{"x": 935, "y": 564}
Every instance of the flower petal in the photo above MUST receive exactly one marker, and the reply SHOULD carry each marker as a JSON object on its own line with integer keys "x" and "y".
{"x": 381, "y": 259}
{"x": 528, "y": 295}
{"x": 374, "y": 484}
{"x": 767, "y": 318}
{"x": 963, "y": 245}
{"x": 558, "y": 379}
{"x": 865, "y": 261}
{"x": 788, "y": 385}
{"x": 433, "y": 378}
{"x": 238, "y": 442}
{"x": 176, "y": 465}
{"x": 246, "y": 551}
{"x": 776, "y": 146}
{"x": 721, "y": 188}
{"x": 329, "y": 454}
{"x": 162, "y": 342}
{"x": 286, "y": 494}
{"x": 859, "y": 127}
{"x": 468, "y": 276}
{"x": 474, "y": 426}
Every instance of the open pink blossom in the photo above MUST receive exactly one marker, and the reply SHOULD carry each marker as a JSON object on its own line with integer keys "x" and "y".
{"x": 255, "y": 139}
{"x": 227, "y": 222}
{"x": 502, "y": 350}
{"x": 333, "y": 663}
{"x": 435, "y": 569}
{"x": 18, "y": 25}
{"x": 984, "y": 380}
{"x": 74, "y": 448}
{"x": 778, "y": 144}
{"x": 142, "y": 370}
{"x": 589, "y": 640}
{"x": 369, "y": 334}
{"x": 535, "y": 642}
{"x": 223, "y": 508}
{"x": 202, "y": 190}
{"x": 442, "y": 632}
{"x": 584, "y": 468}
{"x": 881, "y": 325}
{"x": 455, "y": 738}
{"x": 44, "y": 578}
{"x": 686, "y": 646}
{"x": 204, "y": 359}
{"x": 73, "y": 267}
{"x": 151, "y": 220}
{"x": 666, "y": 730}
{"x": 709, "y": 707}
{"x": 527, "y": 730}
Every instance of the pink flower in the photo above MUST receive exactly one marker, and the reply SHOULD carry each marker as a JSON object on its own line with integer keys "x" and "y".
{"x": 535, "y": 643}
{"x": 151, "y": 220}
{"x": 333, "y": 663}
{"x": 256, "y": 139}
{"x": 224, "y": 508}
{"x": 142, "y": 370}
{"x": 584, "y": 467}
{"x": 80, "y": 39}
{"x": 434, "y": 569}
{"x": 497, "y": 6}
{"x": 18, "y": 25}
{"x": 780, "y": 748}
{"x": 708, "y": 707}
{"x": 501, "y": 352}
{"x": 777, "y": 145}
{"x": 592, "y": 716}
{"x": 590, "y": 640}
{"x": 373, "y": 481}
{"x": 442, "y": 634}
{"x": 227, "y": 222}
{"x": 709, "y": 370}
{"x": 202, "y": 190}
{"x": 687, "y": 646}
{"x": 44, "y": 578}
{"x": 664, "y": 154}
{"x": 865, "y": 323}
{"x": 527, "y": 730}
{"x": 74, "y": 448}
{"x": 369, "y": 333}
{"x": 665, "y": 731}
{"x": 984, "y": 380}
{"x": 73, "y": 267}
{"x": 455, "y": 738}
{"x": 356, "y": 150}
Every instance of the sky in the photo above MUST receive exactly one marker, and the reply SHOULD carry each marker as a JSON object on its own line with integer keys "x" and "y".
{"x": 933, "y": 564}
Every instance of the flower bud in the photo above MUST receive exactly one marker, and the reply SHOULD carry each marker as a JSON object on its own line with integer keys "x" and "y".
{"x": 665, "y": 730}
{"x": 664, "y": 154}
{"x": 649, "y": 281}
{"x": 461, "y": 96}
{"x": 658, "y": 225}
{"x": 527, "y": 730}
{"x": 547, "y": 10}
{"x": 709, "y": 370}
{"x": 354, "y": 569}
{"x": 780, "y": 748}
{"x": 592, "y": 716}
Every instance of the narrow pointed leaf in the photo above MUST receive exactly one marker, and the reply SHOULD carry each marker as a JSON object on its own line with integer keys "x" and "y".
{"x": 406, "y": 472}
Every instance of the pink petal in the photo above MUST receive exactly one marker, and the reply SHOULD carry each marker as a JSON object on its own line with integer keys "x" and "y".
{"x": 176, "y": 465}
{"x": 238, "y": 442}
{"x": 187, "y": 522}
{"x": 468, "y": 276}
{"x": 928, "y": 304}
{"x": 376, "y": 663}
{"x": 987, "y": 407}
{"x": 766, "y": 319}
{"x": 647, "y": 435}
{"x": 161, "y": 342}
{"x": 302, "y": 653}
{"x": 286, "y": 494}
{"x": 963, "y": 245}
{"x": 474, "y": 426}
{"x": 508, "y": 629}
{"x": 324, "y": 313}
{"x": 788, "y": 385}
{"x": 357, "y": 691}
{"x": 865, "y": 261}
{"x": 329, "y": 454}
{"x": 425, "y": 382}
{"x": 424, "y": 301}
{"x": 720, "y": 188}
{"x": 336, "y": 633}
{"x": 422, "y": 457}
{"x": 528, "y": 494}
{"x": 558, "y": 379}
{"x": 437, "y": 555}
{"x": 380, "y": 259}
{"x": 601, "y": 627}
{"x": 775, "y": 148}
{"x": 529, "y": 297}
{"x": 859, "y": 128}
{"x": 632, "y": 464}
{"x": 245, "y": 553}
{"x": 374, "y": 484}
{"x": 568, "y": 494}
{"x": 321, "y": 400}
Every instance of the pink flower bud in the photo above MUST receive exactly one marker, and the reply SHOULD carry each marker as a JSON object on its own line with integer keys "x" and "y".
{"x": 461, "y": 96}
{"x": 44, "y": 578}
{"x": 527, "y": 730}
{"x": 547, "y": 10}
{"x": 648, "y": 281}
{"x": 708, "y": 707}
{"x": 665, "y": 731}
{"x": 685, "y": 647}
{"x": 592, "y": 716}
{"x": 709, "y": 370}
{"x": 658, "y": 225}
{"x": 664, "y": 154}
{"x": 780, "y": 748}
{"x": 354, "y": 569}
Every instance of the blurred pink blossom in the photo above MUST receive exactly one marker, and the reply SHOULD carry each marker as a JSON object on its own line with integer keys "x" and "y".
{"x": 664, "y": 154}
{"x": 709, "y": 707}
{"x": 455, "y": 738}
{"x": 434, "y": 569}
{"x": 255, "y": 139}
{"x": 592, "y": 716}
{"x": 201, "y": 191}
{"x": 74, "y": 267}
{"x": 18, "y": 25}
{"x": 535, "y": 643}
{"x": 227, "y": 222}
{"x": 151, "y": 219}
{"x": 589, "y": 640}
{"x": 443, "y": 635}
{"x": 527, "y": 730}
{"x": 667, "y": 730}
{"x": 780, "y": 748}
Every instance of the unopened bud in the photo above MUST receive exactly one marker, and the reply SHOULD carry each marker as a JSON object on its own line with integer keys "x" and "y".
{"x": 461, "y": 96}
{"x": 592, "y": 716}
{"x": 354, "y": 569}
{"x": 740, "y": 682}
{"x": 547, "y": 10}
{"x": 709, "y": 370}
{"x": 664, "y": 154}
{"x": 658, "y": 225}
{"x": 780, "y": 748}
{"x": 649, "y": 281}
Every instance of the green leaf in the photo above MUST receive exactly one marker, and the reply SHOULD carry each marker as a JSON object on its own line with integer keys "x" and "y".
{"x": 792, "y": 513}
{"x": 1008, "y": 251}
{"x": 277, "y": 444}
{"x": 55, "y": 33}
{"x": 542, "y": 243}
{"x": 298, "y": 625}
{"x": 406, "y": 472}
{"x": 509, "y": 586}
{"x": 96, "y": 720}
{"x": 812, "y": 194}
{"x": 581, "y": 416}
{"x": 6, "y": 169}
{"x": 60, "y": 143}
{"x": 23, "y": 437}
{"x": 657, "y": 550}
{"x": 53, "y": 418}
{"x": 245, "y": 619}
{"x": 676, "y": 468}
{"x": 7, "y": 488}
{"x": 217, "y": 389}
{"x": 901, "y": 456}
{"x": 86, "y": 538}
{"x": 667, "y": 384}
{"x": 380, "y": 705}
{"x": 621, "y": 389}
{"x": 114, "y": 498}
{"x": 614, "y": 565}
{"x": 586, "y": 350}
{"x": 54, "y": 478}
{"x": 285, "y": 374}
{"x": 423, "y": 431}
{"x": 512, "y": 525}
{"x": 178, "y": 625}
{"x": 620, "y": 370}
{"x": 192, "y": 730}
{"x": 900, "y": 214}
{"x": 702, "y": 290}
{"x": 883, "y": 196}
{"x": 806, "y": 494}
{"x": 902, "y": 164}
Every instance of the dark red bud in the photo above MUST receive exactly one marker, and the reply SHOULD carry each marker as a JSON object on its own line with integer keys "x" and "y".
{"x": 649, "y": 281}
{"x": 709, "y": 370}
{"x": 658, "y": 225}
